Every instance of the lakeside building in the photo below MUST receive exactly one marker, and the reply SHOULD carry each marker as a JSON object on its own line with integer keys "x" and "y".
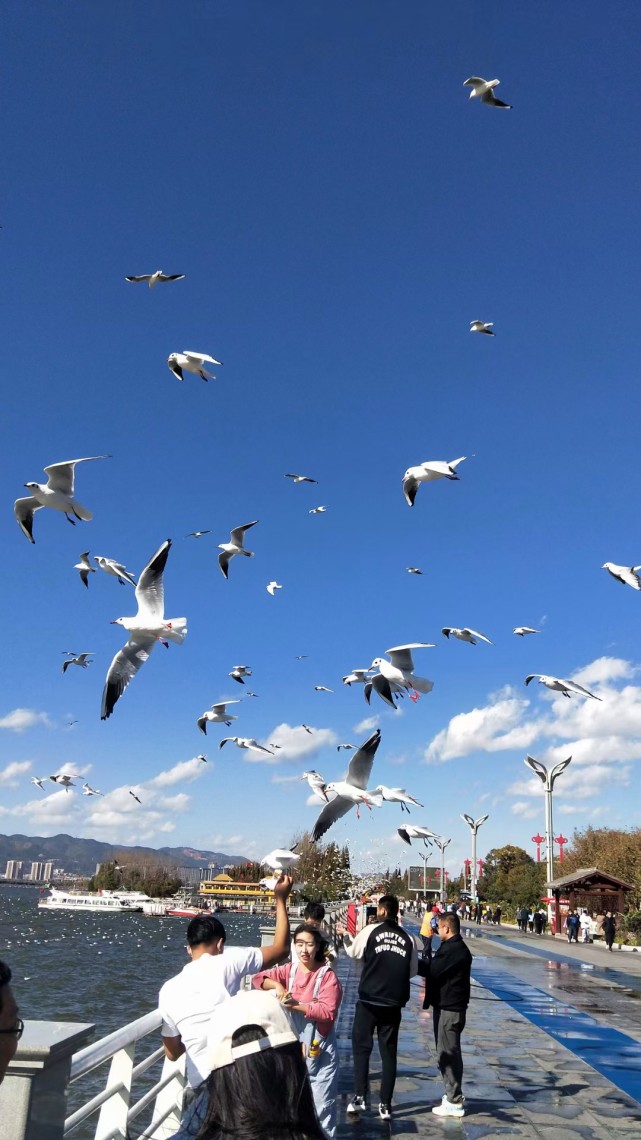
{"x": 230, "y": 891}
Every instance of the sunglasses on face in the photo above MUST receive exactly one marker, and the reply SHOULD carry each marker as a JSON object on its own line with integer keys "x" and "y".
{"x": 17, "y": 1030}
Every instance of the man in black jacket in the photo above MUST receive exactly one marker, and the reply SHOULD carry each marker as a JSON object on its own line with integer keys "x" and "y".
{"x": 390, "y": 959}
{"x": 447, "y": 990}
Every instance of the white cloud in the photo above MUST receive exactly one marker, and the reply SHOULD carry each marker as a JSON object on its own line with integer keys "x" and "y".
{"x": 605, "y": 669}
{"x": 278, "y": 779}
{"x": 21, "y": 719}
{"x": 185, "y": 770}
{"x": 367, "y": 725}
{"x": 525, "y": 809}
{"x": 295, "y": 744}
{"x": 496, "y": 727}
{"x": 8, "y": 775}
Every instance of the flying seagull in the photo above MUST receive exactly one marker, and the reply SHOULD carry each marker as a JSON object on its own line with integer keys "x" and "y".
{"x": 116, "y": 569}
{"x": 272, "y": 588}
{"x": 469, "y": 635}
{"x": 396, "y": 796}
{"x": 217, "y": 715}
{"x": 203, "y": 758}
{"x": 186, "y": 361}
{"x": 413, "y": 831}
{"x": 280, "y": 859}
{"x": 483, "y": 89}
{"x": 428, "y": 472}
{"x": 307, "y": 729}
{"x": 316, "y": 783}
{"x": 301, "y": 656}
{"x": 482, "y": 327}
{"x": 146, "y": 628}
{"x": 245, "y": 742}
{"x": 234, "y": 546}
{"x": 64, "y": 780}
{"x": 352, "y": 790}
{"x": 38, "y": 781}
{"x": 85, "y": 568}
{"x": 400, "y": 668}
{"x": 322, "y": 689}
{"x": 626, "y": 574}
{"x": 56, "y": 493}
{"x": 153, "y": 278}
{"x": 87, "y": 790}
{"x": 301, "y": 479}
{"x": 197, "y": 533}
{"x": 82, "y": 660}
{"x": 318, "y": 510}
{"x": 138, "y": 801}
{"x": 347, "y": 747}
{"x": 356, "y": 677}
{"x": 560, "y": 686}
{"x": 240, "y": 671}
{"x": 521, "y": 630}
{"x": 413, "y": 570}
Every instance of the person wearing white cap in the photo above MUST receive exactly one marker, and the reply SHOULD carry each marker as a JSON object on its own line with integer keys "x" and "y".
{"x": 213, "y": 974}
{"x": 258, "y": 1086}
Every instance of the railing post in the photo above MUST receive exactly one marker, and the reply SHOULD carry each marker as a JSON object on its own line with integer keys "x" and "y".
{"x": 113, "y": 1114}
{"x": 33, "y": 1095}
{"x": 167, "y": 1099}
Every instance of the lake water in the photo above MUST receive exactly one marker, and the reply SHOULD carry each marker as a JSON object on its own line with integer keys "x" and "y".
{"x": 102, "y": 968}
{"x": 98, "y": 968}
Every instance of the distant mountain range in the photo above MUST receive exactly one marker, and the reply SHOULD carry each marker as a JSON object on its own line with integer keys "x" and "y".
{"x": 80, "y": 856}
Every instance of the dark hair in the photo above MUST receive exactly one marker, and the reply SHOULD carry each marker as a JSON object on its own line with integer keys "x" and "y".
{"x": 452, "y": 920}
{"x": 263, "y": 1096}
{"x": 5, "y": 978}
{"x": 315, "y": 911}
{"x": 389, "y": 903}
{"x": 202, "y": 931}
{"x": 321, "y": 943}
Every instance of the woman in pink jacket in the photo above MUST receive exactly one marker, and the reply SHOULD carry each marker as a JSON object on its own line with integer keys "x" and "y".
{"x": 312, "y": 993}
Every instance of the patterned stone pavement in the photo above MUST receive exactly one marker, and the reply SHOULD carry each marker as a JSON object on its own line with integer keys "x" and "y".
{"x": 519, "y": 1081}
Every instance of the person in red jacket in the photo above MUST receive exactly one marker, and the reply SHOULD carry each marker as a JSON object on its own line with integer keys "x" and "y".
{"x": 447, "y": 990}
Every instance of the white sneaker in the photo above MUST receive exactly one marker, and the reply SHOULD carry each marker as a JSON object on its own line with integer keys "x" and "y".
{"x": 446, "y": 1108}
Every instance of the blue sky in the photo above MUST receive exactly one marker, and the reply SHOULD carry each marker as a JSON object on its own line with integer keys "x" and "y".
{"x": 341, "y": 211}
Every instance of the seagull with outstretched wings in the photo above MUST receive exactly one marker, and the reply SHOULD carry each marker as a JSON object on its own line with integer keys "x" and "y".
{"x": 352, "y": 790}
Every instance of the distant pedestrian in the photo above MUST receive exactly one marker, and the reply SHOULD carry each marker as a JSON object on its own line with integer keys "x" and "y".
{"x": 426, "y": 931}
{"x": 572, "y": 925}
{"x": 544, "y": 919}
{"x": 497, "y": 916}
{"x": 530, "y": 921}
{"x": 538, "y": 922}
{"x": 609, "y": 929}
{"x": 447, "y": 990}
{"x": 522, "y": 917}
{"x": 598, "y": 925}
{"x": 586, "y": 925}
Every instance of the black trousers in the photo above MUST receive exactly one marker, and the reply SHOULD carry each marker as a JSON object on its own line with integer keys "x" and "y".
{"x": 448, "y": 1026}
{"x": 385, "y": 1020}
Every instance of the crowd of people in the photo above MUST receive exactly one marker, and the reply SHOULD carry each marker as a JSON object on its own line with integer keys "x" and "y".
{"x": 265, "y": 1062}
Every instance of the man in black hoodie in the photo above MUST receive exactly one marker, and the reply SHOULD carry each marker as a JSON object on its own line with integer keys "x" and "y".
{"x": 447, "y": 990}
{"x": 390, "y": 959}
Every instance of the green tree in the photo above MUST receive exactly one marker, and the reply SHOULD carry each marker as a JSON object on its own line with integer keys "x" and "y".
{"x": 507, "y": 872}
{"x": 618, "y": 852}
{"x": 323, "y": 869}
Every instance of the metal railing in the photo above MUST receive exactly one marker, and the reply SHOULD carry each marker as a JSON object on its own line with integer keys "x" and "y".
{"x": 115, "y": 1102}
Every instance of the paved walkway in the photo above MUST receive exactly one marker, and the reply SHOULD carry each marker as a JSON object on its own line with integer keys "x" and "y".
{"x": 537, "y": 1066}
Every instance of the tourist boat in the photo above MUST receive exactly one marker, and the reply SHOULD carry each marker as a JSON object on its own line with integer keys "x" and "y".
{"x": 185, "y": 911}
{"x": 106, "y": 902}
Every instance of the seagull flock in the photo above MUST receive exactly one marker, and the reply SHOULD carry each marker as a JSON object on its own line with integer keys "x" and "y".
{"x": 391, "y": 676}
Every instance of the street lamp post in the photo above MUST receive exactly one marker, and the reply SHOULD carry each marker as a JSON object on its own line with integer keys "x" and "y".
{"x": 474, "y": 825}
{"x": 442, "y": 844}
{"x": 548, "y": 778}
{"x": 427, "y": 844}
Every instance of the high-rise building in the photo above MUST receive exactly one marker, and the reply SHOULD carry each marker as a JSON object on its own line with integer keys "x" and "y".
{"x": 40, "y": 872}
{"x": 14, "y": 869}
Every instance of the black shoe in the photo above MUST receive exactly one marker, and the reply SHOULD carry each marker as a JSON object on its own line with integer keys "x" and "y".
{"x": 357, "y": 1104}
